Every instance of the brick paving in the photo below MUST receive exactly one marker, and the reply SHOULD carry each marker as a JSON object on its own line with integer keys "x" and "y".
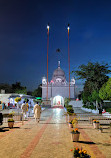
{"x": 51, "y": 138}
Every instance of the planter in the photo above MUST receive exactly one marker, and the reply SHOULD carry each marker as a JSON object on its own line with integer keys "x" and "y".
{"x": 70, "y": 125}
{"x": 75, "y": 137}
{"x": 10, "y": 124}
{"x": 96, "y": 125}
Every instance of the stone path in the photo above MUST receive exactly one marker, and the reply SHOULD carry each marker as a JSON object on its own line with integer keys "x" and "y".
{"x": 51, "y": 138}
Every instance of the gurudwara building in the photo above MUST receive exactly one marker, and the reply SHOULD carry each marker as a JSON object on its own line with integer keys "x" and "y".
{"x": 58, "y": 88}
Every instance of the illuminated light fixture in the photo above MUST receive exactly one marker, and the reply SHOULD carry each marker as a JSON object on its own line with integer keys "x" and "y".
{"x": 48, "y": 26}
{"x": 68, "y": 27}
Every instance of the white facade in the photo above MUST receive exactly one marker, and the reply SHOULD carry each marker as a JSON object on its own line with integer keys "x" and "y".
{"x": 58, "y": 86}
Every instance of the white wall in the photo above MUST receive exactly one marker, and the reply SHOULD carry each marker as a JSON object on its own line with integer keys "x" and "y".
{"x": 4, "y": 98}
{"x": 76, "y": 103}
{"x": 57, "y": 90}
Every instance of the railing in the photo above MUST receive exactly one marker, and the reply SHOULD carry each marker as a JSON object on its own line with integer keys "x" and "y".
{"x": 85, "y": 117}
{"x": 18, "y": 117}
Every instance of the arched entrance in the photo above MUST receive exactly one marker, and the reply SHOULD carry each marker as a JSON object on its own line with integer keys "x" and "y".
{"x": 58, "y": 101}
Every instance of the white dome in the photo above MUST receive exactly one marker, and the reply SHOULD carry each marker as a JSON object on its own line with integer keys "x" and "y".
{"x": 58, "y": 74}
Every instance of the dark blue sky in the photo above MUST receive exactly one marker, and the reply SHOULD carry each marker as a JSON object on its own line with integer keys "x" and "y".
{"x": 23, "y": 37}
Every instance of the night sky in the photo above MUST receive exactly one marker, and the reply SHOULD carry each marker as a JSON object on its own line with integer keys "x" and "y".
{"x": 23, "y": 37}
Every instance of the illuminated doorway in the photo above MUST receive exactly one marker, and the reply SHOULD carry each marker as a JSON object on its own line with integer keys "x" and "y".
{"x": 58, "y": 101}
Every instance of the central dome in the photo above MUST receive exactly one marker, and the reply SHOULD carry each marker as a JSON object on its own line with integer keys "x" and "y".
{"x": 58, "y": 75}
{"x": 58, "y": 72}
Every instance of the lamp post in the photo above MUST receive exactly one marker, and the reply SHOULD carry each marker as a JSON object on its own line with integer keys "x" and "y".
{"x": 69, "y": 59}
{"x": 47, "y": 57}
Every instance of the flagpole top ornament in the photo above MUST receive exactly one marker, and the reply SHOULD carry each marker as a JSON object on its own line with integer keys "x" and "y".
{"x": 59, "y": 63}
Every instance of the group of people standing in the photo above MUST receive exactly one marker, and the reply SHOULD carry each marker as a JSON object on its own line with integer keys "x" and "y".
{"x": 26, "y": 110}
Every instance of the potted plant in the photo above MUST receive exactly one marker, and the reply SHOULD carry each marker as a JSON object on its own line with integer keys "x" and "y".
{"x": 80, "y": 153}
{"x": 96, "y": 124}
{"x": 70, "y": 124}
{"x": 75, "y": 135}
{"x": 10, "y": 123}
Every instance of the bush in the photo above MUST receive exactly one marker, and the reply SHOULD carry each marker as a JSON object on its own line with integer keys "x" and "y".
{"x": 89, "y": 107}
{"x": 108, "y": 110}
{"x": 66, "y": 102}
{"x": 70, "y": 110}
{"x": 69, "y": 106}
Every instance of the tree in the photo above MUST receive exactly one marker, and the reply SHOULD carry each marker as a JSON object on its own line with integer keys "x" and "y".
{"x": 6, "y": 87}
{"x": 37, "y": 92}
{"x": 105, "y": 91}
{"x": 95, "y": 75}
{"x": 95, "y": 96}
{"x": 21, "y": 91}
{"x": 17, "y": 88}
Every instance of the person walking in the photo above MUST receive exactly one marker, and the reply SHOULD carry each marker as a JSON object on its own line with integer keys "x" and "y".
{"x": 24, "y": 109}
{"x": 37, "y": 112}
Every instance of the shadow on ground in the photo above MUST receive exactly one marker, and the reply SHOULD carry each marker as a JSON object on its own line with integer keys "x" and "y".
{"x": 3, "y": 130}
{"x": 105, "y": 144}
{"x": 86, "y": 142}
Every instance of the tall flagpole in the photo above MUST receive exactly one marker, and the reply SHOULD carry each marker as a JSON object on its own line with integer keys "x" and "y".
{"x": 47, "y": 57}
{"x": 69, "y": 59}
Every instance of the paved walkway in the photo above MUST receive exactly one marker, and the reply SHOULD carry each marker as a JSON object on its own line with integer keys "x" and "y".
{"x": 51, "y": 138}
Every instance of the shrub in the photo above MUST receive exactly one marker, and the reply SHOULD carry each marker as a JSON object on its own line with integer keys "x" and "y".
{"x": 70, "y": 110}
{"x": 108, "y": 110}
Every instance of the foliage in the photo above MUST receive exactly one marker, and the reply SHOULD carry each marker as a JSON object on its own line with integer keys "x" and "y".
{"x": 70, "y": 110}
{"x": 11, "y": 114}
{"x": 75, "y": 121}
{"x": 11, "y": 120}
{"x": 21, "y": 91}
{"x": 6, "y": 87}
{"x": 17, "y": 99}
{"x": 95, "y": 96}
{"x": 69, "y": 106}
{"x": 37, "y": 92}
{"x": 85, "y": 95}
{"x": 108, "y": 110}
{"x": 93, "y": 71}
{"x": 17, "y": 88}
{"x": 95, "y": 75}
{"x": 14, "y": 88}
{"x": 89, "y": 107}
{"x": 66, "y": 102}
{"x": 105, "y": 91}
{"x": 75, "y": 131}
{"x": 80, "y": 153}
